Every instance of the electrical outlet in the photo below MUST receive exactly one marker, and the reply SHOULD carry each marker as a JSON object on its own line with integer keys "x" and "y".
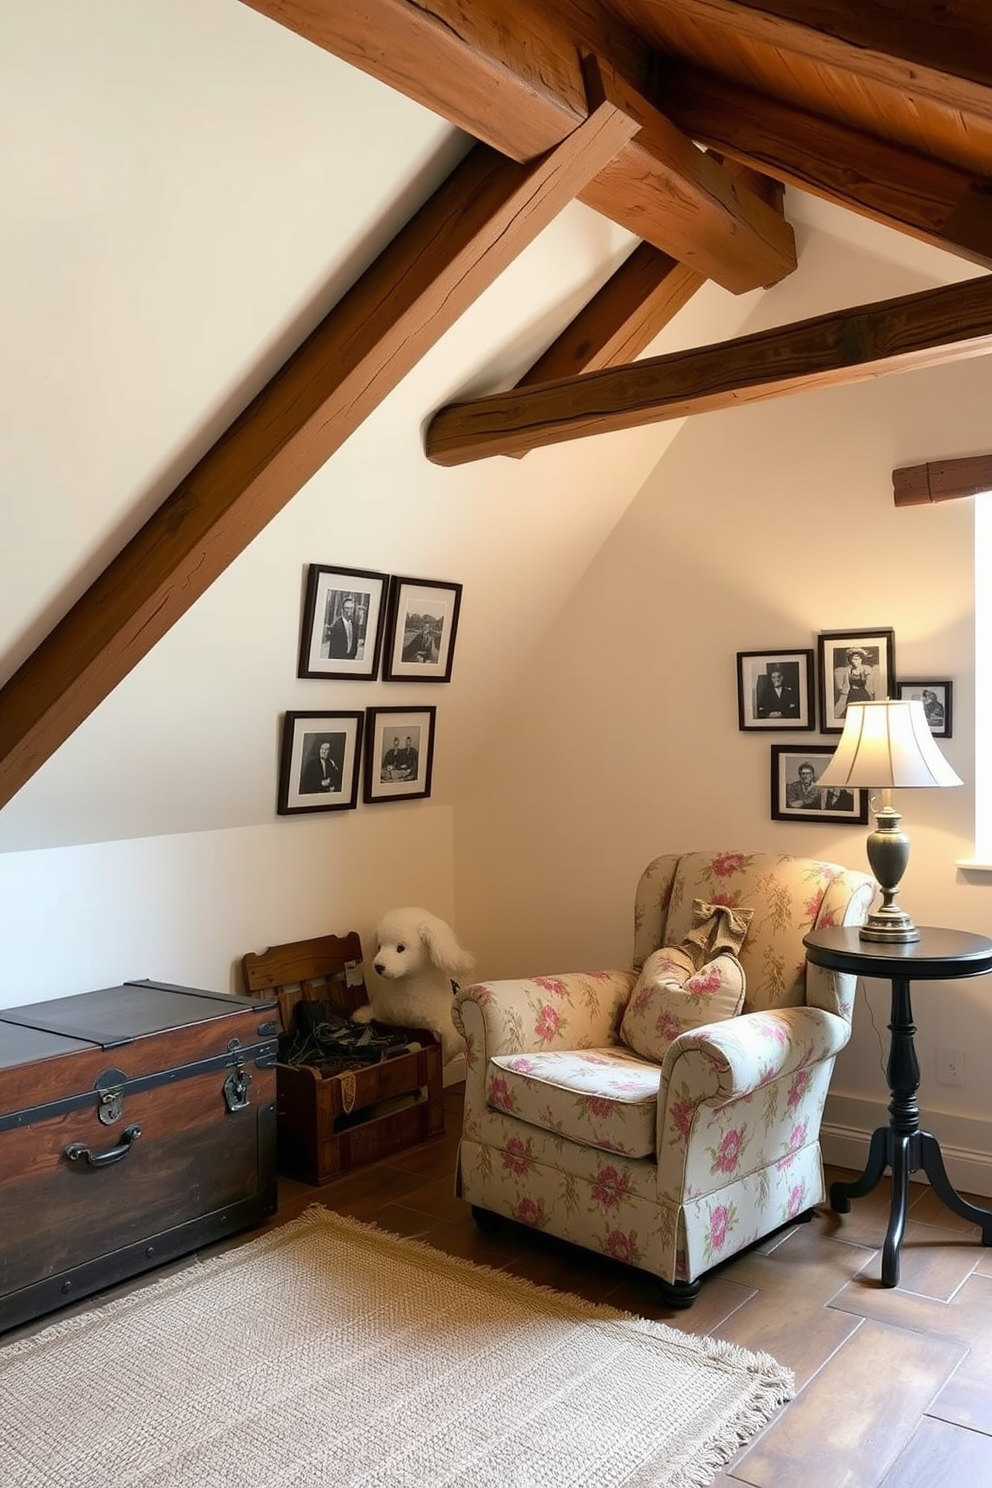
{"x": 950, "y": 1066}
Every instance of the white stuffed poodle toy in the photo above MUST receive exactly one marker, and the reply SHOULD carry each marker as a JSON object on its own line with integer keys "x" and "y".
{"x": 417, "y": 958}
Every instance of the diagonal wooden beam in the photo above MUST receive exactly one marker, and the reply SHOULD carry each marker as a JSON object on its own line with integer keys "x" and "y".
{"x": 942, "y": 480}
{"x": 942, "y": 52}
{"x": 936, "y": 202}
{"x": 511, "y": 75}
{"x": 849, "y": 346}
{"x": 487, "y": 211}
{"x": 623, "y": 317}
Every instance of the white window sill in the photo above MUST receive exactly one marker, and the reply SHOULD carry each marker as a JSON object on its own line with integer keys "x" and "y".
{"x": 972, "y": 865}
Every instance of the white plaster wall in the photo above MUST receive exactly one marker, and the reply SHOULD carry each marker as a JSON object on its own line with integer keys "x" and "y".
{"x": 186, "y": 907}
{"x": 196, "y": 189}
{"x": 191, "y": 189}
{"x": 759, "y": 528}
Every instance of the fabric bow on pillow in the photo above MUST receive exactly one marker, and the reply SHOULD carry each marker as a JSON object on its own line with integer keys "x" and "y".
{"x": 715, "y": 928}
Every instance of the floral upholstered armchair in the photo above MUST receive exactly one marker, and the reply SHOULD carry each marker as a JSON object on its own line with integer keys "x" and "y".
{"x": 675, "y": 1159}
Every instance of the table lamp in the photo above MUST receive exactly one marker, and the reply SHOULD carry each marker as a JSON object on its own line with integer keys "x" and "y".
{"x": 884, "y": 746}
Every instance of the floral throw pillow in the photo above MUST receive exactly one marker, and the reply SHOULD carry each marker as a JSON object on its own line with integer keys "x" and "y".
{"x": 671, "y": 996}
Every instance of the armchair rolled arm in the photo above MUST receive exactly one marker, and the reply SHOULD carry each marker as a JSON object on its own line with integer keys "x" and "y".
{"x": 581, "y": 1010}
{"x": 723, "y": 1061}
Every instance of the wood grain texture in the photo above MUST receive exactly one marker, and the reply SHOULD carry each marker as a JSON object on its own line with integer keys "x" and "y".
{"x": 942, "y": 480}
{"x": 943, "y": 52}
{"x": 827, "y": 351}
{"x": 855, "y": 1409}
{"x": 758, "y": 1300}
{"x": 621, "y": 319}
{"x": 511, "y": 75}
{"x": 934, "y": 201}
{"x": 487, "y": 211}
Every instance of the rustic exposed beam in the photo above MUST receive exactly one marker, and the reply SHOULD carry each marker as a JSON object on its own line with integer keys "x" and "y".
{"x": 487, "y": 211}
{"x": 938, "y": 203}
{"x": 512, "y": 76}
{"x": 942, "y": 480}
{"x": 848, "y": 346}
{"x": 623, "y": 317}
{"x": 940, "y": 51}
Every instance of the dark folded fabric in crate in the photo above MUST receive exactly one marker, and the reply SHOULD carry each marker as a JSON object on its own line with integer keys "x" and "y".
{"x": 324, "y": 1036}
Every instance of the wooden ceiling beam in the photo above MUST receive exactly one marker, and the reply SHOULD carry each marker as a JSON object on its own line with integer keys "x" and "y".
{"x": 621, "y": 319}
{"x": 942, "y": 480}
{"x": 509, "y": 72}
{"x": 477, "y": 222}
{"x": 833, "y": 350}
{"x": 942, "y": 52}
{"x": 938, "y": 203}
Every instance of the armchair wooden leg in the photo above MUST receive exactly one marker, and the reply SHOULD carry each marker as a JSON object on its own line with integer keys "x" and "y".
{"x": 486, "y": 1220}
{"x": 678, "y": 1294}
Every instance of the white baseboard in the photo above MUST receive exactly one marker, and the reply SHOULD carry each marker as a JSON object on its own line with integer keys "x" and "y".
{"x": 965, "y": 1142}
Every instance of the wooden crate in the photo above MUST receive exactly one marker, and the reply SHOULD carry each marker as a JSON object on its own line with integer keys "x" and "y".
{"x": 329, "y": 1123}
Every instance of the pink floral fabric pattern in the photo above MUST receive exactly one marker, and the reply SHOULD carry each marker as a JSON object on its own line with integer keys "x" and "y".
{"x": 727, "y": 1146}
{"x": 606, "y": 1098}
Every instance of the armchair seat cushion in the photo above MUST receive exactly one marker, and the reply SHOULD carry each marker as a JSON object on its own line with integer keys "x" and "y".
{"x": 605, "y": 1098}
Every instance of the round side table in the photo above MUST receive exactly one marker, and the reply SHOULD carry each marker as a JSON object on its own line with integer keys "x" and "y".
{"x": 939, "y": 955}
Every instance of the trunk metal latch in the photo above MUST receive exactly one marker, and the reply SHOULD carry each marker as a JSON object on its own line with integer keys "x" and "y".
{"x": 237, "y": 1088}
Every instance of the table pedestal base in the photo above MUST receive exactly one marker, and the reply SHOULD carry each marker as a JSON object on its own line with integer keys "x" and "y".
{"x": 905, "y": 1153}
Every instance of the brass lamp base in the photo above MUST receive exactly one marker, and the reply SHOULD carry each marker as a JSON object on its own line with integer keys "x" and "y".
{"x": 897, "y": 928}
{"x": 888, "y": 855}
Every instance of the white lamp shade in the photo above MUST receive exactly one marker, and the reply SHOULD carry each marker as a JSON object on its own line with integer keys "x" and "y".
{"x": 887, "y": 744}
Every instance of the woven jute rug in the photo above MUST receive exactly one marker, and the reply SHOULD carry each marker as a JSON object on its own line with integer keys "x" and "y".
{"x": 328, "y": 1352}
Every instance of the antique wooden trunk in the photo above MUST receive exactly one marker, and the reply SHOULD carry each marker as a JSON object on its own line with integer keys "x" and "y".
{"x": 333, "y": 1119}
{"x": 137, "y": 1123}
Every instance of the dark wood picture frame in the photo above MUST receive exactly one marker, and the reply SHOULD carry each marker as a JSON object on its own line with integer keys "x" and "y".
{"x": 760, "y": 706}
{"x": 792, "y": 800}
{"x": 312, "y": 780}
{"x": 843, "y": 679}
{"x": 390, "y": 736}
{"x": 421, "y": 628}
{"x": 329, "y": 647}
{"x": 938, "y": 706}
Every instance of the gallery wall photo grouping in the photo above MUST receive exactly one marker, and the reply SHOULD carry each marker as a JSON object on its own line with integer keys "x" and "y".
{"x": 362, "y": 625}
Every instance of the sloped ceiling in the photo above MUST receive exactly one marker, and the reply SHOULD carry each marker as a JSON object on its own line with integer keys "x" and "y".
{"x": 608, "y": 103}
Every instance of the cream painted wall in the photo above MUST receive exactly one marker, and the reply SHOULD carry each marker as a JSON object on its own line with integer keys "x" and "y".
{"x": 759, "y": 528}
{"x": 185, "y": 908}
{"x": 193, "y": 188}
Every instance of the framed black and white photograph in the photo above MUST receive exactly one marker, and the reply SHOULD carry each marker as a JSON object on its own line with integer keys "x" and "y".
{"x": 775, "y": 690}
{"x": 320, "y": 761}
{"x": 399, "y": 753}
{"x": 936, "y": 699}
{"x": 421, "y": 630}
{"x": 797, "y": 794}
{"x": 342, "y": 622}
{"x": 855, "y": 666}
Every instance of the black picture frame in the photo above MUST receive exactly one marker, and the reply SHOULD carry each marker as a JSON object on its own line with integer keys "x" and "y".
{"x": 759, "y": 707}
{"x": 421, "y": 629}
{"x": 309, "y": 781}
{"x": 328, "y": 647}
{"x": 873, "y": 678}
{"x": 939, "y": 707}
{"x": 398, "y": 730}
{"x": 788, "y": 762}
